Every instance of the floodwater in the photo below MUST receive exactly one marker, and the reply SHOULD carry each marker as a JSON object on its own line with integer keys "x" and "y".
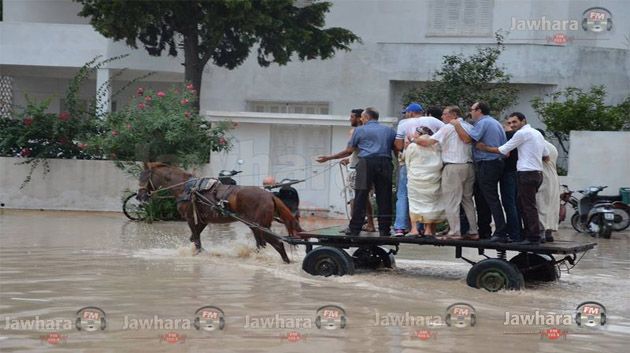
{"x": 54, "y": 263}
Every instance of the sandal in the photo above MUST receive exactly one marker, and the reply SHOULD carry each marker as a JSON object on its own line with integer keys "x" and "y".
{"x": 366, "y": 228}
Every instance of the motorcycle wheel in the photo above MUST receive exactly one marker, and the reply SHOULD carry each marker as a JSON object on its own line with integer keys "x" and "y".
{"x": 622, "y": 220}
{"x": 577, "y": 225}
{"x": 605, "y": 230}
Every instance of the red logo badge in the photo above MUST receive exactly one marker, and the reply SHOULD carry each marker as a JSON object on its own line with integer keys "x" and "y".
{"x": 172, "y": 338}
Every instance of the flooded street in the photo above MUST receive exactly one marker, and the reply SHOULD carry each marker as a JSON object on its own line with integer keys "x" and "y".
{"x": 54, "y": 263}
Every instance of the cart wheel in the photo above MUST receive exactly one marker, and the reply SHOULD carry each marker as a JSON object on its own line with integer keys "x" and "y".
{"x": 494, "y": 275}
{"x": 133, "y": 208}
{"x": 536, "y": 267}
{"x": 373, "y": 257}
{"x": 328, "y": 261}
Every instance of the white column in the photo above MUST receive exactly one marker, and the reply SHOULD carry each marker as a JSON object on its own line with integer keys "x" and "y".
{"x": 103, "y": 92}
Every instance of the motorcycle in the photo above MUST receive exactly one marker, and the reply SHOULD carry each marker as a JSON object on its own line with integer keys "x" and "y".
{"x": 593, "y": 215}
{"x": 288, "y": 194}
{"x": 225, "y": 176}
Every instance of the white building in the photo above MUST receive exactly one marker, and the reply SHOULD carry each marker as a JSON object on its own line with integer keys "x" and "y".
{"x": 42, "y": 43}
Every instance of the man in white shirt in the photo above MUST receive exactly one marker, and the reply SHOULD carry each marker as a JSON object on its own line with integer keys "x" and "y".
{"x": 404, "y": 132}
{"x": 458, "y": 175}
{"x": 531, "y": 151}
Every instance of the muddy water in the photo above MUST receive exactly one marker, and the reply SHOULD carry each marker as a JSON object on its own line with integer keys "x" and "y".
{"x": 54, "y": 263}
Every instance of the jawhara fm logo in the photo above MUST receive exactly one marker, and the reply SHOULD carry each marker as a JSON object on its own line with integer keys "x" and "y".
{"x": 209, "y": 318}
{"x": 590, "y": 314}
{"x": 331, "y": 317}
{"x": 90, "y": 319}
{"x": 460, "y": 315}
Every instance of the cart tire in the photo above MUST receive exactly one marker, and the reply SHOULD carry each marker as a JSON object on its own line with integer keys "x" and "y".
{"x": 536, "y": 267}
{"x": 132, "y": 208}
{"x": 494, "y": 275}
{"x": 576, "y": 224}
{"x": 308, "y": 248}
{"x": 373, "y": 257}
{"x": 328, "y": 261}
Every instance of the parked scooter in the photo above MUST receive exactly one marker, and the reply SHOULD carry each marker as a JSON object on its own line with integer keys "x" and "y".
{"x": 592, "y": 215}
{"x": 225, "y": 176}
{"x": 288, "y": 194}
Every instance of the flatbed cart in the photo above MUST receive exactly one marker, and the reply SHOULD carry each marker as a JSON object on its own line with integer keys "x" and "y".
{"x": 326, "y": 256}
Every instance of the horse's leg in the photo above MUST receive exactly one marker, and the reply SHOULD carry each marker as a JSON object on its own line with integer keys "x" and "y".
{"x": 258, "y": 235}
{"x": 265, "y": 217}
{"x": 279, "y": 246}
{"x": 195, "y": 238}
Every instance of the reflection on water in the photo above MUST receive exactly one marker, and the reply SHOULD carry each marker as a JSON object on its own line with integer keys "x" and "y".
{"x": 54, "y": 263}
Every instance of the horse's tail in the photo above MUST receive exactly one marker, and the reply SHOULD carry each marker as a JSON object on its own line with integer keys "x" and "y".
{"x": 290, "y": 222}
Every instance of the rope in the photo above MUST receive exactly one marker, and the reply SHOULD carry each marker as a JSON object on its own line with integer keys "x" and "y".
{"x": 316, "y": 173}
{"x": 172, "y": 186}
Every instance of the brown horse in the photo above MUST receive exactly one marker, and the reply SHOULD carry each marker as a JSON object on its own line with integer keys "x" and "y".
{"x": 250, "y": 203}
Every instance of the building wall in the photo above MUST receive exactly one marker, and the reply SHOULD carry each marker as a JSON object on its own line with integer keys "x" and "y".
{"x": 398, "y": 47}
{"x": 80, "y": 185}
{"x": 599, "y": 158}
{"x": 48, "y": 11}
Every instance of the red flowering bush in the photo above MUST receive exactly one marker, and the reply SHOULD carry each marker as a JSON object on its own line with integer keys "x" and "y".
{"x": 161, "y": 126}
{"x": 33, "y": 133}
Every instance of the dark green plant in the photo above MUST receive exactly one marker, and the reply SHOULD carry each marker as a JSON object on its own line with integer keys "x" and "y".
{"x": 574, "y": 109}
{"x": 221, "y": 31}
{"x": 464, "y": 80}
{"x": 161, "y": 208}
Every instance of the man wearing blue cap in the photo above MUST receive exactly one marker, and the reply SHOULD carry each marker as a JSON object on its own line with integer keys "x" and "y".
{"x": 413, "y": 119}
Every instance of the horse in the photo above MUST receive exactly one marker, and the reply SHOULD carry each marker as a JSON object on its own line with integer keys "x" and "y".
{"x": 252, "y": 204}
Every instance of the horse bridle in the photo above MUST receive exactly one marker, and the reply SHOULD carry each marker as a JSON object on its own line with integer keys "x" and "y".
{"x": 147, "y": 184}
{"x": 154, "y": 189}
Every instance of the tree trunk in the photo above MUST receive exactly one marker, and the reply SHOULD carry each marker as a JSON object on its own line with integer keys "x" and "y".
{"x": 193, "y": 66}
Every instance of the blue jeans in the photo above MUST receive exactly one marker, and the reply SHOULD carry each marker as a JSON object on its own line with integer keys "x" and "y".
{"x": 508, "y": 196}
{"x": 402, "y": 202}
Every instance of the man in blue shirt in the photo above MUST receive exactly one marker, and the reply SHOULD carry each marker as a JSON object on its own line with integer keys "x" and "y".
{"x": 375, "y": 143}
{"x": 488, "y": 168}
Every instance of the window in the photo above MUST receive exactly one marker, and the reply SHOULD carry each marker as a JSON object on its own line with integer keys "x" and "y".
{"x": 460, "y": 18}
{"x": 289, "y": 107}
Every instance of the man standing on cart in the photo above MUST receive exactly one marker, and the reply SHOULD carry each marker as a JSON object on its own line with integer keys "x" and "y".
{"x": 531, "y": 151}
{"x": 375, "y": 144}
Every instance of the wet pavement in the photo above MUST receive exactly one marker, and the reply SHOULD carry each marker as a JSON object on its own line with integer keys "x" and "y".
{"x": 148, "y": 284}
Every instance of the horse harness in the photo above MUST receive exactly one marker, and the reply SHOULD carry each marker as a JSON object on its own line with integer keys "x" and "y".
{"x": 208, "y": 191}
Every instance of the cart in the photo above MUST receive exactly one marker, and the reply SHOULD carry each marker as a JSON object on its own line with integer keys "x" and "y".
{"x": 327, "y": 256}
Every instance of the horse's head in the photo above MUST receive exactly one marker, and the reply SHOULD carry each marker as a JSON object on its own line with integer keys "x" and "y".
{"x": 156, "y": 176}
{"x": 145, "y": 186}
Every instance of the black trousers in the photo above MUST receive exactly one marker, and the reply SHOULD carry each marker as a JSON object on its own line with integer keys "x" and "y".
{"x": 375, "y": 172}
{"x": 528, "y": 185}
{"x": 488, "y": 174}
{"x": 484, "y": 217}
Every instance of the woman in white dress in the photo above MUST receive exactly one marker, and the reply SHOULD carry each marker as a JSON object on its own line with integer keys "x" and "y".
{"x": 424, "y": 173}
{"x": 548, "y": 195}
